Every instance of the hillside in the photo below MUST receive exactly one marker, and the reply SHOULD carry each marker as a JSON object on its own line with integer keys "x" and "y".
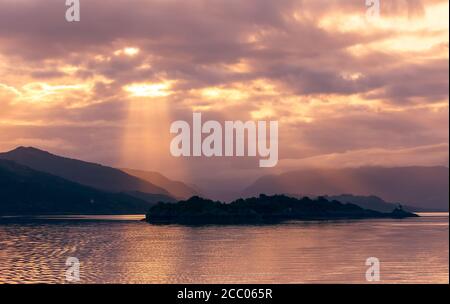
{"x": 27, "y": 191}
{"x": 85, "y": 173}
{"x": 177, "y": 189}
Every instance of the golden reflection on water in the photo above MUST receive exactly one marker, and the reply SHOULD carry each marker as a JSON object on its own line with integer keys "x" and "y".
{"x": 125, "y": 250}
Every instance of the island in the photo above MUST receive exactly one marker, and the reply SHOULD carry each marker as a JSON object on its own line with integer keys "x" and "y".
{"x": 260, "y": 210}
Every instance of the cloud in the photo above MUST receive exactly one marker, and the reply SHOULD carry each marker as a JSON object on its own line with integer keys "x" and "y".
{"x": 340, "y": 86}
{"x": 434, "y": 155}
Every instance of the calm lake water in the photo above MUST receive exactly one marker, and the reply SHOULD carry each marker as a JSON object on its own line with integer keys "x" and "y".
{"x": 122, "y": 249}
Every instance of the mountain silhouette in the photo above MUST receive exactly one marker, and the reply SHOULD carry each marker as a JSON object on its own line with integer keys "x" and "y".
{"x": 26, "y": 191}
{"x": 374, "y": 203}
{"x": 422, "y": 187}
{"x": 177, "y": 189}
{"x": 85, "y": 173}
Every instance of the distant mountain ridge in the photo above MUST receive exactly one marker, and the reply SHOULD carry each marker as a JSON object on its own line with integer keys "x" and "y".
{"x": 177, "y": 189}
{"x": 85, "y": 173}
{"x": 374, "y": 203}
{"x": 422, "y": 187}
{"x": 26, "y": 191}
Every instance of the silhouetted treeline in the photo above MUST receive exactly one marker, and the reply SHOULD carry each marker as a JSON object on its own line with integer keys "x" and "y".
{"x": 262, "y": 209}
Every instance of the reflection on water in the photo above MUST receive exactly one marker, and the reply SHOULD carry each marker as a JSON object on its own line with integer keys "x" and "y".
{"x": 122, "y": 249}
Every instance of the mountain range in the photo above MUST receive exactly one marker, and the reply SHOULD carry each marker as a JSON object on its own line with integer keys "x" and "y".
{"x": 36, "y": 181}
{"x": 86, "y": 173}
{"x": 420, "y": 187}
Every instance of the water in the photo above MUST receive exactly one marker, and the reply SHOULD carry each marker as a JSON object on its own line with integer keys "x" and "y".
{"x": 122, "y": 249}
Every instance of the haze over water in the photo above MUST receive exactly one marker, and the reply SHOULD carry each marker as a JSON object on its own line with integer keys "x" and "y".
{"x": 122, "y": 249}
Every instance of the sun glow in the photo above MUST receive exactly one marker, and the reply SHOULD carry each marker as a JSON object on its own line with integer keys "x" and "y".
{"x": 263, "y": 113}
{"x": 223, "y": 93}
{"x": 40, "y": 91}
{"x": 128, "y": 51}
{"x": 149, "y": 89}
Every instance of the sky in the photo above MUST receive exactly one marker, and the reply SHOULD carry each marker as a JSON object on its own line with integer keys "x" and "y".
{"x": 347, "y": 90}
